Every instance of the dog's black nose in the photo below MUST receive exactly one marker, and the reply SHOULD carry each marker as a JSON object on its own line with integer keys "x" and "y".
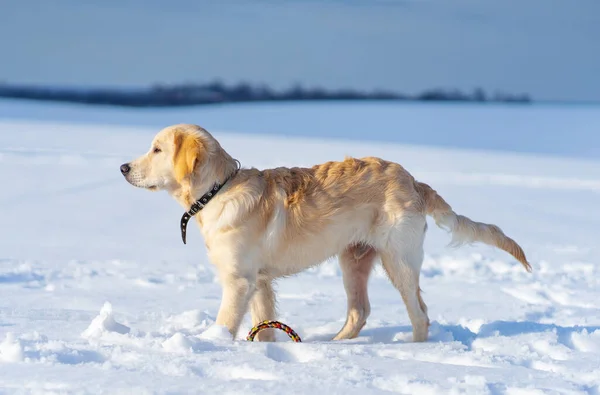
{"x": 125, "y": 168}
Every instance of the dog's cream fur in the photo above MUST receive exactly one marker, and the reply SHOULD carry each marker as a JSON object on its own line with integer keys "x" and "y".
{"x": 266, "y": 224}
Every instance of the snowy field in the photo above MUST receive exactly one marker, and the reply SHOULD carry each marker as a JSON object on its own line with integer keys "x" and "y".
{"x": 99, "y": 295}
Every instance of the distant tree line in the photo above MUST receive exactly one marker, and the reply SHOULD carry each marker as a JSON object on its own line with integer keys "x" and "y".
{"x": 217, "y": 92}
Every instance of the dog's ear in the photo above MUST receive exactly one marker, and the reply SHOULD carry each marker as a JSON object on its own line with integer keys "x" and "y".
{"x": 188, "y": 149}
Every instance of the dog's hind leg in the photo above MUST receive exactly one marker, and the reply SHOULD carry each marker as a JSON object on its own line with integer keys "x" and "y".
{"x": 402, "y": 261}
{"x": 356, "y": 262}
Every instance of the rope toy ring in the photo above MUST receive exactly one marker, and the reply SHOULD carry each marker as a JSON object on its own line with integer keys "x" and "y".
{"x": 273, "y": 324}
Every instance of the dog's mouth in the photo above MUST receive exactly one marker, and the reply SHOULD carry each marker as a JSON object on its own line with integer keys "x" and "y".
{"x": 139, "y": 183}
{"x": 148, "y": 187}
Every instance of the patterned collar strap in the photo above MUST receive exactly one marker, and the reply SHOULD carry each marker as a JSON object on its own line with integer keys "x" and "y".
{"x": 197, "y": 206}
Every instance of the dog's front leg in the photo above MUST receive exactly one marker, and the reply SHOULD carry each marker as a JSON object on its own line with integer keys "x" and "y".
{"x": 262, "y": 307}
{"x": 237, "y": 291}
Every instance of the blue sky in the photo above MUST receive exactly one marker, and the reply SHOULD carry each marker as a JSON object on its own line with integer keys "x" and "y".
{"x": 550, "y": 50}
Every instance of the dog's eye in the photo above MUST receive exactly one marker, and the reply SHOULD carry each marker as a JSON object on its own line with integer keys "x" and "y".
{"x": 156, "y": 150}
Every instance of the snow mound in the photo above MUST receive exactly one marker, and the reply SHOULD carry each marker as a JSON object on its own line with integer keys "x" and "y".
{"x": 191, "y": 322}
{"x": 104, "y": 323}
{"x": 216, "y": 332}
{"x": 11, "y": 349}
{"x": 587, "y": 342}
{"x": 178, "y": 343}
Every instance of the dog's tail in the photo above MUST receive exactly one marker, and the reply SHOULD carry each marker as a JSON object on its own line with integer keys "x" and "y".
{"x": 463, "y": 229}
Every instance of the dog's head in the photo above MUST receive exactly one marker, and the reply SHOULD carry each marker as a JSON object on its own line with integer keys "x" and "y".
{"x": 180, "y": 157}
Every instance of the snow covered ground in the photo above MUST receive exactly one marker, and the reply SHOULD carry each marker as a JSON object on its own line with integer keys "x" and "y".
{"x": 99, "y": 295}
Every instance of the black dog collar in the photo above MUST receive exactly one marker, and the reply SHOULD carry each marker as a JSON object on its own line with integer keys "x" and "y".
{"x": 197, "y": 206}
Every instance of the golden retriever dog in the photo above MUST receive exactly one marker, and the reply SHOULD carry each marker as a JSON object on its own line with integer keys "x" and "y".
{"x": 260, "y": 225}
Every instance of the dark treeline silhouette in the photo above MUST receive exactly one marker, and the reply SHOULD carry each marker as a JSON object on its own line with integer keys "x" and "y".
{"x": 216, "y": 92}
